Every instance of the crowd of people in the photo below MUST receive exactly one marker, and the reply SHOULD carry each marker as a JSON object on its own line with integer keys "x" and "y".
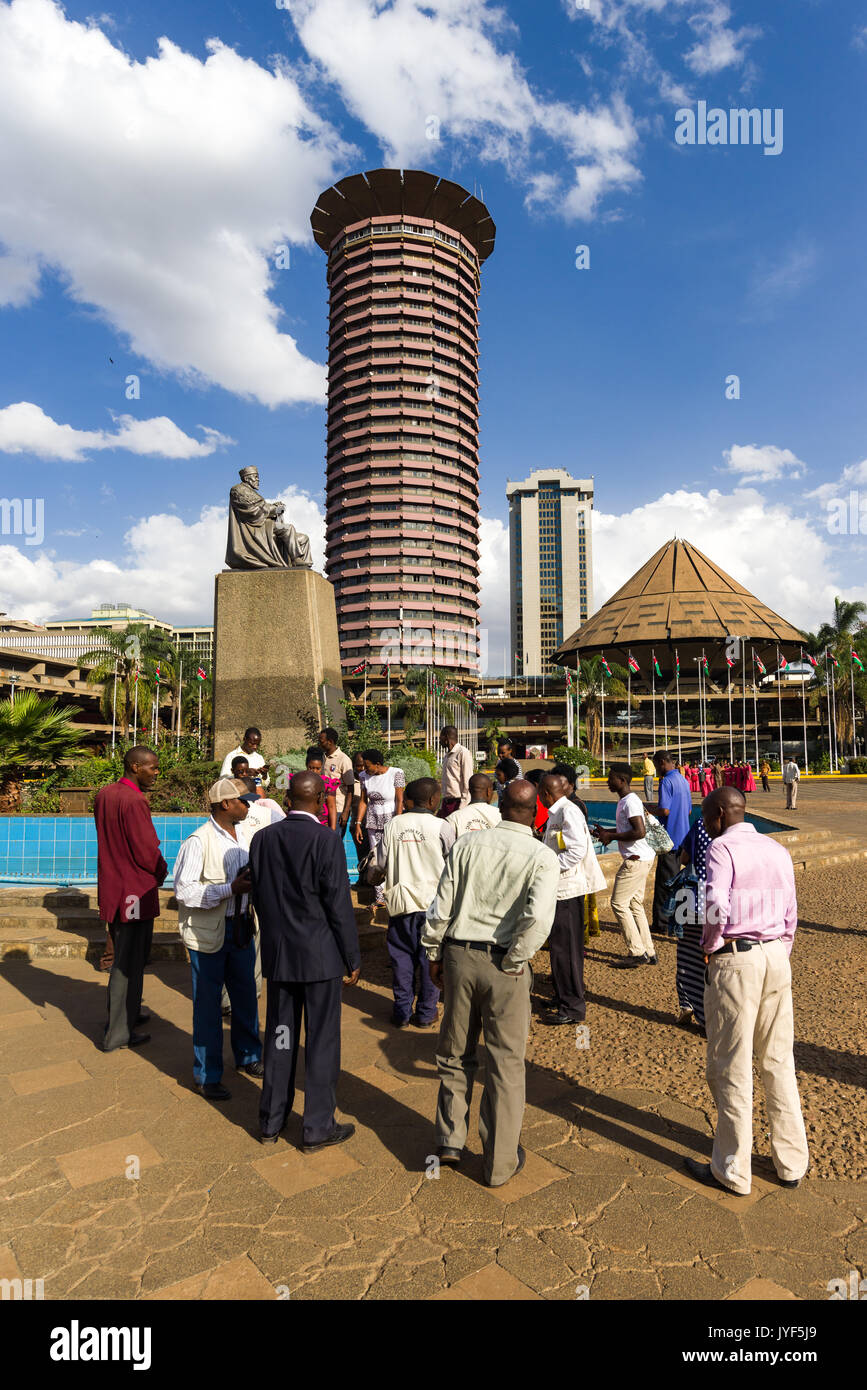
{"x": 475, "y": 874}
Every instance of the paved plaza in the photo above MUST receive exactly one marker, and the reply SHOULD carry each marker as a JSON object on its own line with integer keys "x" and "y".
{"x": 119, "y": 1181}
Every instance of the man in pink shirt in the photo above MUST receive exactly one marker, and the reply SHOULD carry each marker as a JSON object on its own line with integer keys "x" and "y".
{"x": 750, "y": 924}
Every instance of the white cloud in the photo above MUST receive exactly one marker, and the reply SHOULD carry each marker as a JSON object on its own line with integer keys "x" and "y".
{"x": 495, "y": 612}
{"x": 168, "y": 568}
{"x": 852, "y": 476}
{"x": 719, "y": 46}
{"x": 398, "y": 65}
{"x": 777, "y": 280}
{"x": 26, "y": 429}
{"x": 783, "y": 559}
{"x": 762, "y": 463}
{"x": 159, "y": 191}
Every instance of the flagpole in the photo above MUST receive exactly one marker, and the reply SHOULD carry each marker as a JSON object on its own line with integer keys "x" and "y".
{"x": 804, "y": 714}
{"x": 852, "y": 687}
{"x": 744, "y": 692}
{"x": 700, "y": 705}
{"x": 755, "y": 708}
{"x": 135, "y": 711}
{"x": 665, "y": 716}
{"x": 780, "y": 706}
{"x": 629, "y": 711}
{"x": 834, "y": 712}
{"x": 114, "y": 710}
{"x": 388, "y": 697}
{"x": 602, "y": 681}
{"x": 828, "y": 703}
{"x": 653, "y": 692}
{"x": 201, "y": 683}
{"x": 677, "y": 702}
{"x": 731, "y": 730}
{"x": 180, "y": 700}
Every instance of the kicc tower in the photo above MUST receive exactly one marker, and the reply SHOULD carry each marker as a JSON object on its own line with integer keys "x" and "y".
{"x": 405, "y": 250}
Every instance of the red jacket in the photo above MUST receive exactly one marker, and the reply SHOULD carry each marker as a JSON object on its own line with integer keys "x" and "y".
{"x": 130, "y": 868}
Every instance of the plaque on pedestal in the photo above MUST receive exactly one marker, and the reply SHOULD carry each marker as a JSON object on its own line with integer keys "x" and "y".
{"x": 276, "y": 647}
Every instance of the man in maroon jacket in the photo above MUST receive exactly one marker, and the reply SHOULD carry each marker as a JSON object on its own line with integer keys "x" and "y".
{"x": 130, "y": 870}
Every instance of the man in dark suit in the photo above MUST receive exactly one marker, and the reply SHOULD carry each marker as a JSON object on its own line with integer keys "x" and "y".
{"x": 130, "y": 871}
{"x": 309, "y": 945}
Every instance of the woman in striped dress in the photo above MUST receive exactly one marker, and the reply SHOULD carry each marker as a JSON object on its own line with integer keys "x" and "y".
{"x": 689, "y": 977}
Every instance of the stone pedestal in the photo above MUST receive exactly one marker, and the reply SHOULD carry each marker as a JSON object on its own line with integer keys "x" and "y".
{"x": 275, "y": 634}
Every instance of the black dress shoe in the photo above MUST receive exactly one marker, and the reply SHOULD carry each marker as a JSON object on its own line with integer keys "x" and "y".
{"x": 449, "y": 1158}
{"x": 214, "y": 1090}
{"x": 338, "y": 1135}
{"x": 629, "y": 962}
{"x": 561, "y": 1016}
{"x": 430, "y": 1023}
{"x": 789, "y": 1182}
{"x": 651, "y": 960}
{"x": 142, "y": 1019}
{"x": 253, "y": 1069}
{"x": 138, "y": 1039}
{"x": 400, "y": 1022}
{"x": 702, "y": 1173}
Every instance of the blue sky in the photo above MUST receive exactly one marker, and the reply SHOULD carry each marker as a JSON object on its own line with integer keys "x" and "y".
{"x": 145, "y": 187}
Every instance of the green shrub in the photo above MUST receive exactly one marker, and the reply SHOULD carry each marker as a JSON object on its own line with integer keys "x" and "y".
{"x": 857, "y": 766}
{"x": 577, "y": 757}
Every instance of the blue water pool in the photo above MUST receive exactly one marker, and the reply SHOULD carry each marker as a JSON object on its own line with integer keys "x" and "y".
{"x": 602, "y": 813}
{"x": 62, "y": 849}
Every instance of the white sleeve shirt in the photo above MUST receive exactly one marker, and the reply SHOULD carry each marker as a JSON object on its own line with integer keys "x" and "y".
{"x": 188, "y": 885}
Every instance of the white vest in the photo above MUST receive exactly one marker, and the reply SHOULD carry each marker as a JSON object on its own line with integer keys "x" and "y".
{"x": 204, "y": 929}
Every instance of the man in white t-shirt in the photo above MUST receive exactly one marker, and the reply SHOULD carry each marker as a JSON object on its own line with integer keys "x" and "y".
{"x": 411, "y": 853}
{"x": 479, "y": 815}
{"x": 627, "y": 895}
{"x": 791, "y": 778}
{"x": 248, "y": 748}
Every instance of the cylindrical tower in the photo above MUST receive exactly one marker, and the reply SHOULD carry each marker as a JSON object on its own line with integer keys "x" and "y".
{"x": 402, "y": 519}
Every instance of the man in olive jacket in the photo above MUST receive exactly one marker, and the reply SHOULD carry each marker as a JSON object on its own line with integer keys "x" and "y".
{"x": 309, "y": 945}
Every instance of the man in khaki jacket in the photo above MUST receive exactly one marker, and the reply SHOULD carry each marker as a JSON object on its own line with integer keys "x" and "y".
{"x": 493, "y": 910}
{"x": 212, "y": 883}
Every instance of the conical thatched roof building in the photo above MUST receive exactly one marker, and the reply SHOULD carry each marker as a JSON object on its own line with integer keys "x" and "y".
{"x": 681, "y": 599}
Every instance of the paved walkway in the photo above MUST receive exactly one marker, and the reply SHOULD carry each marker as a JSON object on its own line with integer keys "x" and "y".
{"x": 119, "y": 1181}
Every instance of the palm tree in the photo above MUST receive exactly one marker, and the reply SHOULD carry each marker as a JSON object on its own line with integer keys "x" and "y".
{"x": 33, "y": 731}
{"x": 129, "y": 654}
{"x": 847, "y": 617}
{"x": 590, "y": 676}
{"x": 847, "y": 631}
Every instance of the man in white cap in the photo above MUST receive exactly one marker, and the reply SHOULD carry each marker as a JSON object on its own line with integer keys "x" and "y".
{"x": 212, "y": 883}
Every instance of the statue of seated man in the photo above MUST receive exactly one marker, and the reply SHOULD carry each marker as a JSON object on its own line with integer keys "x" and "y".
{"x": 259, "y": 536}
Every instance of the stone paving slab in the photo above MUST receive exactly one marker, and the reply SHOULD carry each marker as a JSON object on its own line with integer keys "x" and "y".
{"x": 118, "y": 1180}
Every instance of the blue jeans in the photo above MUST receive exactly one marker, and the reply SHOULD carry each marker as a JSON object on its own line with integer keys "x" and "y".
{"x": 234, "y": 967}
{"x": 405, "y": 951}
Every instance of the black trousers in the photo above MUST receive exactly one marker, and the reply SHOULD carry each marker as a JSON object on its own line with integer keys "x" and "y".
{"x": 566, "y": 950}
{"x": 667, "y": 865}
{"x": 132, "y": 949}
{"x": 318, "y": 1002}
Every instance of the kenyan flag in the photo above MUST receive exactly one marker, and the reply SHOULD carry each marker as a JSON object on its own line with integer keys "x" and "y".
{"x": 763, "y": 670}
{"x": 704, "y": 665}
{"x": 784, "y": 665}
{"x": 676, "y": 667}
{"x": 632, "y": 663}
{"x": 729, "y": 661}
{"x": 201, "y": 674}
{"x": 656, "y": 669}
{"x": 829, "y": 656}
{"x": 605, "y": 667}
{"x": 357, "y": 670}
{"x": 812, "y": 660}
{"x": 856, "y": 660}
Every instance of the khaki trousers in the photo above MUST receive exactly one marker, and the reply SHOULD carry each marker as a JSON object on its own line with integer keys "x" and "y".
{"x": 478, "y": 996}
{"x": 791, "y": 795}
{"x": 627, "y": 904}
{"x": 748, "y": 1011}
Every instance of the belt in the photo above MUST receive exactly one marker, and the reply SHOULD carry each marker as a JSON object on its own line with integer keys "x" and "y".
{"x": 740, "y": 943}
{"x": 475, "y": 945}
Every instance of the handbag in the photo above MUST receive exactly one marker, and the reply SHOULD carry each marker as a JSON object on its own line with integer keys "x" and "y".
{"x": 657, "y": 836}
{"x": 243, "y": 925}
{"x": 369, "y": 871}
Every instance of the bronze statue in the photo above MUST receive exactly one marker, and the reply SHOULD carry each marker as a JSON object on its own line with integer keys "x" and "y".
{"x": 259, "y": 538}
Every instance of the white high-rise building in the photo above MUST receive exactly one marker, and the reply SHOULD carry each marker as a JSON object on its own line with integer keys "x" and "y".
{"x": 551, "y": 564}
